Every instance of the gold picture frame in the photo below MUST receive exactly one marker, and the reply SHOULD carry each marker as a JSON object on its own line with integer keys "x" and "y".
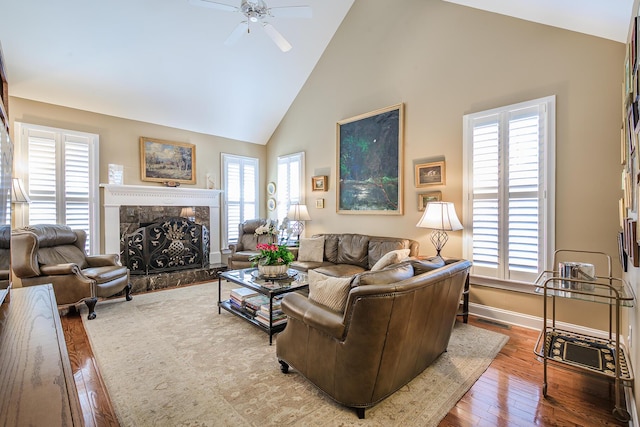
{"x": 167, "y": 161}
{"x": 431, "y": 196}
{"x": 319, "y": 183}
{"x": 432, "y": 173}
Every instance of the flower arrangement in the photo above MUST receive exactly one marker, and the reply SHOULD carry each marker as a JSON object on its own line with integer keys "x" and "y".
{"x": 268, "y": 228}
{"x": 272, "y": 255}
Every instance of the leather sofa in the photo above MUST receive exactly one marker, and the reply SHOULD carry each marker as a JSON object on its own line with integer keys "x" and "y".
{"x": 346, "y": 254}
{"x": 247, "y": 243}
{"x": 53, "y": 253}
{"x": 396, "y": 322}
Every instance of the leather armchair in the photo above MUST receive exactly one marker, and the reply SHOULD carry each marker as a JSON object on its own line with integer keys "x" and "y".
{"x": 247, "y": 243}
{"x": 55, "y": 254}
{"x": 389, "y": 333}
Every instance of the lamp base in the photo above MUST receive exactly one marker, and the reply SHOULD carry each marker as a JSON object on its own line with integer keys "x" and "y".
{"x": 439, "y": 239}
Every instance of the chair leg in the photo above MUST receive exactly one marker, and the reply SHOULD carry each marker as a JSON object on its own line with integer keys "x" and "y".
{"x": 91, "y": 304}
{"x": 127, "y": 292}
{"x": 360, "y": 412}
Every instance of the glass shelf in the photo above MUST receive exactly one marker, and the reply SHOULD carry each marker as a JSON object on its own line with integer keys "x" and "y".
{"x": 604, "y": 290}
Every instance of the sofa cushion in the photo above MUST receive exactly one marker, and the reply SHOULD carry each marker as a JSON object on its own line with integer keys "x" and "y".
{"x": 62, "y": 254}
{"x": 331, "y": 292}
{"x": 311, "y": 249}
{"x": 385, "y": 276}
{"x": 340, "y": 270}
{"x": 380, "y": 246}
{"x": 353, "y": 249}
{"x": 331, "y": 247}
{"x": 389, "y": 258}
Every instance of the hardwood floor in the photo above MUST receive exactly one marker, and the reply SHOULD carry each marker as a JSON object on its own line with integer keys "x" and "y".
{"x": 509, "y": 393}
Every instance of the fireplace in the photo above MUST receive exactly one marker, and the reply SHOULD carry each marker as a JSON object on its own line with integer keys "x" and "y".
{"x": 128, "y": 207}
{"x": 169, "y": 244}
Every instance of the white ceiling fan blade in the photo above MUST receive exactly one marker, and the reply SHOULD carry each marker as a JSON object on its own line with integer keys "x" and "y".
{"x": 214, "y": 5}
{"x": 291, "y": 12}
{"x": 238, "y": 32}
{"x": 277, "y": 38}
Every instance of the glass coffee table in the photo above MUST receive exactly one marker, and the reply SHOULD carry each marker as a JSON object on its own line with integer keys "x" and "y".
{"x": 270, "y": 288}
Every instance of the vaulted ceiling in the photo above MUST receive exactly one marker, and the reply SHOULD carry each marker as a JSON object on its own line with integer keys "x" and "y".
{"x": 165, "y": 61}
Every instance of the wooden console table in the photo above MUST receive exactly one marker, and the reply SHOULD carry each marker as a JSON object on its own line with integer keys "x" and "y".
{"x": 36, "y": 381}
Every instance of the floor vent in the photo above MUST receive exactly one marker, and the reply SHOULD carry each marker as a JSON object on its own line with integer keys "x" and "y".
{"x": 494, "y": 323}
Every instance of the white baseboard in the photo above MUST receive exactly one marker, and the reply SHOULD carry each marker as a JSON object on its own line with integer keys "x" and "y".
{"x": 528, "y": 321}
{"x": 631, "y": 407}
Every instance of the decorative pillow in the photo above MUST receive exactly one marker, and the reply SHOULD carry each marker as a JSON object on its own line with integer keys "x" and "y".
{"x": 311, "y": 249}
{"x": 393, "y": 274}
{"x": 332, "y": 292}
{"x": 389, "y": 258}
{"x": 429, "y": 264}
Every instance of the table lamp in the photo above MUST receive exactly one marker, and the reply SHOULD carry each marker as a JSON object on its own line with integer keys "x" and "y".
{"x": 441, "y": 217}
{"x": 297, "y": 215}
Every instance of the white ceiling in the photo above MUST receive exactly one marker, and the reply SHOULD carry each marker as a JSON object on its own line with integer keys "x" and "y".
{"x": 164, "y": 61}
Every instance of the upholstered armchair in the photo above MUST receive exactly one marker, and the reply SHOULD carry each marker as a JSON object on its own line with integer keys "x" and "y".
{"x": 247, "y": 243}
{"x": 55, "y": 254}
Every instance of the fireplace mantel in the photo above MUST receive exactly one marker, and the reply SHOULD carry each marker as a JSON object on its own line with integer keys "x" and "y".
{"x": 143, "y": 195}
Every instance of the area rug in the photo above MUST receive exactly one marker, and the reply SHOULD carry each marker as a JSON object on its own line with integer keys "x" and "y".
{"x": 169, "y": 359}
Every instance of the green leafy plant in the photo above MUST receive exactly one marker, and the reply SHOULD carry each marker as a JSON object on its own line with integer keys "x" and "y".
{"x": 272, "y": 255}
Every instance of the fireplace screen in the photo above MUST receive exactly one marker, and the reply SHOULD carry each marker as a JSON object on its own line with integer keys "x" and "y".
{"x": 169, "y": 244}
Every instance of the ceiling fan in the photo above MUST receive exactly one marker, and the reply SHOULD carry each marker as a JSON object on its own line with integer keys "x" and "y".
{"x": 256, "y": 11}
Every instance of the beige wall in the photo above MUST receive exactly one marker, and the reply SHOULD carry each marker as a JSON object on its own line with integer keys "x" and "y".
{"x": 443, "y": 61}
{"x": 119, "y": 141}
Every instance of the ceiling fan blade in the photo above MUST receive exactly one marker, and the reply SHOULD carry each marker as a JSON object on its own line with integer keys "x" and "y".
{"x": 238, "y": 32}
{"x": 277, "y": 38}
{"x": 214, "y": 5}
{"x": 291, "y": 12}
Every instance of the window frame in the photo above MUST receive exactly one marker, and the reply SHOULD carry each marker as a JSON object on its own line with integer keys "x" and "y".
{"x": 225, "y": 158}
{"x": 546, "y": 191}
{"x": 287, "y": 200}
{"x": 22, "y": 131}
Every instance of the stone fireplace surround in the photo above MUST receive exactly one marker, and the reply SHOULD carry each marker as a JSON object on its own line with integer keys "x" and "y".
{"x": 128, "y": 206}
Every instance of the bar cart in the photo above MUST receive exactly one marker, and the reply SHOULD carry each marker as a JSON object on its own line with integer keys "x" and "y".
{"x": 606, "y": 357}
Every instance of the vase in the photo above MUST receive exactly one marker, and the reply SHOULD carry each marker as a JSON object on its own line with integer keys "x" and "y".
{"x": 272, "y": 270}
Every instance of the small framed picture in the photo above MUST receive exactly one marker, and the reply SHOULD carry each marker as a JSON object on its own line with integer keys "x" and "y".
{"x": 319, "y": 183}
{"x": 432, "y": 173}
{"x": 431, "y": 196}
{"x": 271, "y": 204}
{"x": 319, "y": 203}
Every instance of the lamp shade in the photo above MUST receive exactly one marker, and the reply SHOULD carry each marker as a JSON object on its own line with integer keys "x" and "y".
{"x": 298, "y": 213}
{"x": 18, "y": 194}
{"x": 440, "y": 216}
{"x": 187, "y": 212}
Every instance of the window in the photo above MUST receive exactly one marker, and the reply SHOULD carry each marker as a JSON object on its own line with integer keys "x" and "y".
{"x": 62, "y": 179}
{"x": 509, "y": 186}
{"x": 290, "y": 183}
{"x": 240, "y": 184}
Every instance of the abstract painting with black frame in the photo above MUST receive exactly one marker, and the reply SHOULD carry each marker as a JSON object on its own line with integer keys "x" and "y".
{"x": 370, "y": 166}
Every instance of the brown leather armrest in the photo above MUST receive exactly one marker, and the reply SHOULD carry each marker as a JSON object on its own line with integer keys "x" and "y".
{"x": 237, "y": 247}
{"x": 312, "y": 314}
{"x": 57, "y": 269}
{"x": 103, "y": 260}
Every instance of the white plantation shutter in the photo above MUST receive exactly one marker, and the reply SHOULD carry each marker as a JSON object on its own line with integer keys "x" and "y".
{"x": 509, "y": 182}
{"x": 62, "y": 179}
{"x": 240, "y": 184}
{"x": 290, "y": 183}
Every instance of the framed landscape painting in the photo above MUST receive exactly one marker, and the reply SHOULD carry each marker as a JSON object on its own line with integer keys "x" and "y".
{"x": 430, "y": 174}
{"x": 167, "y": 161}
{"x": 370, "y": 168}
